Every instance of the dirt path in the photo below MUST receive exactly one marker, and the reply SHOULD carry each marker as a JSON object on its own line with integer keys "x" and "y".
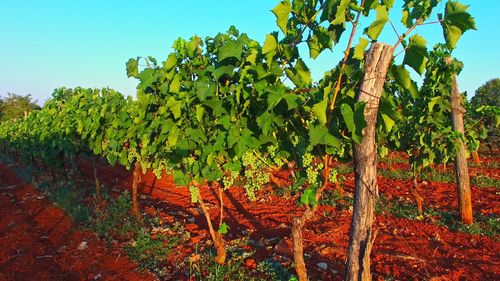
{"x": 39, "y": 242}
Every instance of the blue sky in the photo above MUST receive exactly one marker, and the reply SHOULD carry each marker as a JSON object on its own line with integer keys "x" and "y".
{"x": 49, "y": 44}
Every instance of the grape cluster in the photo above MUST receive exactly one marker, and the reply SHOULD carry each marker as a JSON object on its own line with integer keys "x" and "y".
{"x": 228, "y": 179}
{"x": 194, "y": 191}
{"x": 333, "y": 177}
{"x": 255, "y": 175}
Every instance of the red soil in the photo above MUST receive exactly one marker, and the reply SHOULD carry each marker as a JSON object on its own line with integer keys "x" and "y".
{"x": 39, "y": 242}
{"x": 403, "y": 249}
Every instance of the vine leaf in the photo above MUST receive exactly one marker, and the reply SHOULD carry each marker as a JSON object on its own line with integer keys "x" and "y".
{"x": 299, "y": 74}
{"x": 309, "y": 197}
{"x": 319, "y": 41}
{"x": 232, "y": 49}
{"x": 402, "y": 77}
{"x": 269, "y": 47}
{"x": 319, "y": 135}
{"x": 282, "y": 11}
{"x": 319, "y": 110}
{"x": 223, "y": 228}
{"x": 359, "y": 50}
{"x": 416, "y": 54}
{"x": 133, "y": 67}
{"x": 170, "y": 62}
{"x": 374, "y": 30}
{"x": 456, "y": 21}
{"x": 354, "y": 120}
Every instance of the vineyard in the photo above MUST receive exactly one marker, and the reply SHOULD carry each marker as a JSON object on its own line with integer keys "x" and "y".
{"x": 233, "y": 164}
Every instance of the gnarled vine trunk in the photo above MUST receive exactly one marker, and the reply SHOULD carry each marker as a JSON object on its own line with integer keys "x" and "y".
{"x": 97, "y": 182}
{"x": 461, "y": 169}
{"x": 475, "y": 157}
{"x": 136, "y": 178}
{"x": 377, "y": 63}
{"x": 299, "y": 223}
{"x": 416, "y": 196}
{"x": 216, "y": 236}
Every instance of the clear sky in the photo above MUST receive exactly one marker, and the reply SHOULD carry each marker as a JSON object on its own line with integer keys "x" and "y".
{"x": 49, "y": 44}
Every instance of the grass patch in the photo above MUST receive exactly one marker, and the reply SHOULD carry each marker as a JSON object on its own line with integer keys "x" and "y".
{"x": 202, "y": 266}
{"x": 489, "y": 165}
{"x": 68, "y": 197}
{"x": 334, "y": 199}
{"x": 115, "y": 220}
{"x": 483, "y": 225}
{"x": 484, "y": 181}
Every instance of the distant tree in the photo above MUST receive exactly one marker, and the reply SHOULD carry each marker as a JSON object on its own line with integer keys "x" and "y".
{"x": 16, "y": 106}
{"x": 487, "y": 102}
{"x": 487, "y": 94}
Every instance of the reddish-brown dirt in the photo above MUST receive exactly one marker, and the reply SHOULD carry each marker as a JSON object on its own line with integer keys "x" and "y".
{"x": 404, "y": 249}
{"x": 39, "y": 242}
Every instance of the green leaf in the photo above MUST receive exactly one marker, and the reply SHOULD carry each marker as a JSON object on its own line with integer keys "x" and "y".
{"x": 340, "y": 13}
{"x": 133, "y": 67}
{"x": 416, "y": 54}
{"x": 200, "y": 110}
{"x": 170, "y": 63}
{"x": 270, "y": 45}
{"x": 174, "y": 106}
{"x": 223, "y": 228}
{"x": 299, "y": 74}
{"x": 175, "y": 85}
{"x": 319, "y": 135}
{"x": 180, "y": 178}
{"x": 402, "y": 77}
{"x": 319, "y": 111}
{"x": 374, "y": 30}
{"x": 456, "y": 21}
{"x": 319, "y": 41}
{"x": 309, "y": 197}
{"x": 354, "y": 120}
{"x": 433, "y": 102}
{"x": 282, "y": 12}
{"x": 359, "y": 120}
{"x": 388, "y": 122}
{"x": 231, "y": 49}
{"x": 348, "y": 115}
{"x": 359, "y": 50}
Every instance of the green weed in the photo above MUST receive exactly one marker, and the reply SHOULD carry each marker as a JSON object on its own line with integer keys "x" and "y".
{"x": 484, "y": 181}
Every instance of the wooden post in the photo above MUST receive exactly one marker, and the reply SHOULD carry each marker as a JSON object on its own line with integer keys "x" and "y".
{"x": 461, "y": 169}
{"x": 377, "y": 63}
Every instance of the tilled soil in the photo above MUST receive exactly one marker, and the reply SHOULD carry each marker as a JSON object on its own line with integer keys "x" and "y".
{"x": 38, "y": 241}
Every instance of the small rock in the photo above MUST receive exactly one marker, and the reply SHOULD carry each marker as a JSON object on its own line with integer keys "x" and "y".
{"x": 250, "y": 263}
{"x": 83, "y": 245}
{"x": 284, "y": 247}
{"x": 97, "y": 277}
{"x": 260, "y": 243}
{"x": 191, "y": 227}
{"x": 335, "y": 271}
{"x": 196, "y": 239}
{"x": 191, "y": 220}
{"x": 322, "y": 265}
{"x": 62, "y": 249}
